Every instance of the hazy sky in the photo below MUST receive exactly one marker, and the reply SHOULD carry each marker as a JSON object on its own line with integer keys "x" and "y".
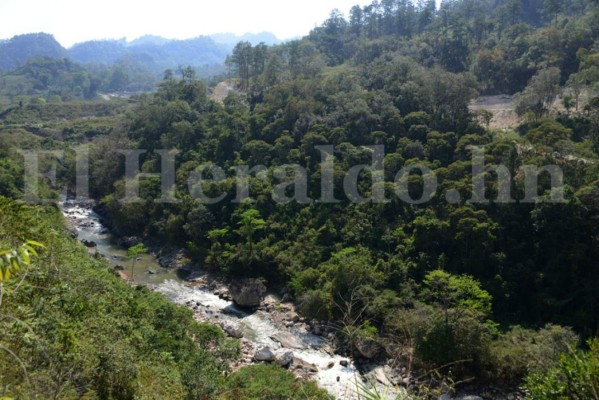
{"x": 72, "y": 21}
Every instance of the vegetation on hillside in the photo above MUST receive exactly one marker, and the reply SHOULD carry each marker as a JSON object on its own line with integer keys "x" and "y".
{"x": 500, "y": 289}
{"x": 433, "y": 283}
{"x": 121, "y": 342}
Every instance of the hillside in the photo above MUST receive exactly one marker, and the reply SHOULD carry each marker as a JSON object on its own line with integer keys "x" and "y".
{"x": 121, "y": 342}
{"x": 17, "y": 51}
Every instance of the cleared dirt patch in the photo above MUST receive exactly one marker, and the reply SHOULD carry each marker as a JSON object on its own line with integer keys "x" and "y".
{"x": 222, "y": 90}
{"x": 502, "y": 107}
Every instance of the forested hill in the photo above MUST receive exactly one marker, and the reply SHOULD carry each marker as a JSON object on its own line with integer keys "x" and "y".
{"x": 156, "y": 55}
{"x": 22, "y": 48}
{"x": 430, "y": 284}
{"x": 501, "y": 42}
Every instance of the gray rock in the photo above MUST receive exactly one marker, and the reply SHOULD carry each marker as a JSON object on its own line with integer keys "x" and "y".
{"x": 264, "y": 354}
{"x": 392, "y": 375}
{"x": 284, "y": 358}
{"x": 247, "y": 293}
{"x": 293, "y": 317}
{"x": 298, "y": 363}
{"x": 176, "y": 259}
{"x": 344, "y": 363}
{"x": 378, "y": 374}
{"x": 232, "y": 331}
{"x": 368, "y": 348}
{"x": 288, "y": 341}
{"x": 445, "y": 397}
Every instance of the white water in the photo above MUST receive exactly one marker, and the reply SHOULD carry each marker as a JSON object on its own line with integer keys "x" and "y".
{"x": 257, "y": 327}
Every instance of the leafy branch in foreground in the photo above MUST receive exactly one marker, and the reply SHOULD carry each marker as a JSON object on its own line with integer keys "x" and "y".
{"x": 13, "y": 261}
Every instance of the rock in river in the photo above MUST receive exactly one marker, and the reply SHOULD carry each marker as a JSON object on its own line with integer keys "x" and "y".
{"x": 284, "y": 358}
{"x": 232, "y": 330}
{"x": 247, "y": 293}
{"x": 88, "y": 243}
{"x": 288, "y": 341}
{"x": 264, "y": 354}
{"x": 298, "y": 363}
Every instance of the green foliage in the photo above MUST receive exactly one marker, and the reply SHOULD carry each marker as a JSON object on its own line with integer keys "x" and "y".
{"x": 454, "y": 337}
{"x": 371, "y": 392}
{"x": 461, "y": 292}
{"x": 521, "y": 351}
{"x": 13, "y": 261}
{"x": 270, "y": 382}
{"x": 250, "y": 223}
{"x": 575, "y": 377}
{"x": 47, "y": 77}
{"x": 120, "y": 342}
{"x": 540, "y": 93}
{"x": 136, "y": 250}
{"x": 549, "y": 133}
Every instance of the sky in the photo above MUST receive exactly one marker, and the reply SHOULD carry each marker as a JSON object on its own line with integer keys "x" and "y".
{"x": 74, "y": 21}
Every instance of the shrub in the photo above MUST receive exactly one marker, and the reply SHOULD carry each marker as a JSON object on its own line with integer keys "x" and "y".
{"x": 269, "y": 382}
{"x": 520, "y": 350}
{"x": 461, "y": 338}
{"x": 576, "y": 377}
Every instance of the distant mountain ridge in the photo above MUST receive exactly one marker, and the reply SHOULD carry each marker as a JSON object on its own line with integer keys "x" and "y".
{"x": 153, "y": 52}
{"x": 18, "y": 50}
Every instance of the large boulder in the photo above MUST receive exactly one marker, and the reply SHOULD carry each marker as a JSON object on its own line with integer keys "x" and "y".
{"x": 232, "y": 330}
{"x": 176, "y": 259}
{"x": 299, "y": 363}
{"x": 288, "y": 341}
{"x": 247, "y": 293}
{"x": 378, "y": 375}
{"x": 284, "y": 358}
{"x": 264, "y": 354}
{"x": 368, "y": 348}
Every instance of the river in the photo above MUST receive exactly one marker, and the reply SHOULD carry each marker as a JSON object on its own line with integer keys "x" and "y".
{"x": 337, "y": 377}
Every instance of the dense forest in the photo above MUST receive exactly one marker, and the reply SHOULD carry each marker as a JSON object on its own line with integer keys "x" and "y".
{"x": 484, "y": 287}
